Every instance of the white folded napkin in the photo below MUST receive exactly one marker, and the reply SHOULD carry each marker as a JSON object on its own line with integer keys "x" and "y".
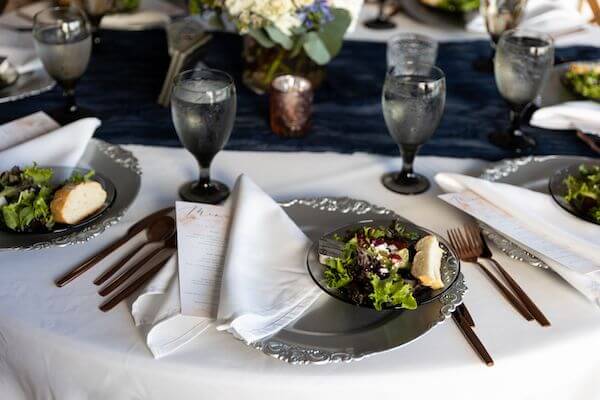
{"x": 265, "y": 282}
{"x": 581, "y": 115}
{"x": 547, "y": 16}
{"x": 63, "y": 146}
{"x": 541, "y": 216}
{"x": 136, "y": 20}
{"x": 264, "y": 286}
{"x": 19, "y": 50}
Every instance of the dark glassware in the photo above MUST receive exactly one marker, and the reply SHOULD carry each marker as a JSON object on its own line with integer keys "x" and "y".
{"x": 382, "y": 21}
{"x": 413, "y": 102}
{"x": 499, "y": 16}
{"x": 203, "y": 107}
{"x": 521, "y": 66}
{"x": 96, "y": 10}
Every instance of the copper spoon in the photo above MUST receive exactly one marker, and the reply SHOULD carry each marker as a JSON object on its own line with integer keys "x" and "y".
{"x": 96, "y": 258}
{"x": 170, "y": 243}
{"x": 160, "y": 230}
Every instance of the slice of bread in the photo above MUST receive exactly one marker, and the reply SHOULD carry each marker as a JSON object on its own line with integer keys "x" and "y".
{"x": 74, "y": 202}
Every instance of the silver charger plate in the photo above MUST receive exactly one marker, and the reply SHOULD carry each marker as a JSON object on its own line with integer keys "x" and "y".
{"x": 333, "y": 331}
{"x": 533, "y": 173}
{"x": 112, "y": 161}
{"x": 29, "y": 84}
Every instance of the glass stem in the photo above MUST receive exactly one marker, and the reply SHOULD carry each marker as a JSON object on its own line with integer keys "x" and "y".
{"x": 515, "y": 123}
{"x": 204, "y": 178}
{"x": 380, "y": 16}
{"x": 408, "y": 157}
{"x": 69, "y": 95}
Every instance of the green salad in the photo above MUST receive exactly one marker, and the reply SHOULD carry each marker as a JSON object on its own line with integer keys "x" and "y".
{"x": 453, "y": 5}
{"x": 25, "y": 197}
{"x": 583, "y": 191}
{"x": 384, "y": 266}
{"x": 584, "y": 79}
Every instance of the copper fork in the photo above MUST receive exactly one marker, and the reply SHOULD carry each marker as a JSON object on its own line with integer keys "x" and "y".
{"x": 468, "y": 251}
{"x": 475, "y": 232}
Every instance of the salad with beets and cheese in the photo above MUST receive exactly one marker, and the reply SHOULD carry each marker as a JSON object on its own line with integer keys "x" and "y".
{"x": 384, "y": 266}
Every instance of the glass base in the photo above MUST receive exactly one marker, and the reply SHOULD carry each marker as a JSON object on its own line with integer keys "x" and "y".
{"x": 413, "y": 184}
{"x": 212, "y": 193}
{"x": 518, "y": 142}
{"x": 65, "y": 116}
{"x": 380, "y": 24}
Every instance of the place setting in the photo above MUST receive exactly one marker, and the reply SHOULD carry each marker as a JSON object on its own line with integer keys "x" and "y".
{"x": 233, "y": 227}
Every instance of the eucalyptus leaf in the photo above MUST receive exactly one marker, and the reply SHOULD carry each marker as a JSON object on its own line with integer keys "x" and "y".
{"x": 279, "y": 37}
{"x": 321, "y": 46}
{"x": 261, "y": 37}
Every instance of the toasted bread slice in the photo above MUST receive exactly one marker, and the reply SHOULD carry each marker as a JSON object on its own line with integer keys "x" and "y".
{"x": 74, "y": 202}
{"x": 427, "y": 262}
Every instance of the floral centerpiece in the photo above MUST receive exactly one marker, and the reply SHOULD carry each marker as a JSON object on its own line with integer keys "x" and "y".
{"x": 284, "y": 36}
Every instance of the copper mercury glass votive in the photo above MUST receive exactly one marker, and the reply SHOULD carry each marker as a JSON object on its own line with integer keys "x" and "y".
{"x": 290, "y": 105}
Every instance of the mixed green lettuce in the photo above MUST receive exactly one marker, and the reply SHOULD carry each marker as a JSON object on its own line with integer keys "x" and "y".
{"x": 585, "y": 81}
{"x": 583, "y": 191}
{"x": 454, "y": 5}
{"x": 370, "y": 267}
{"x": 25, "y": 197}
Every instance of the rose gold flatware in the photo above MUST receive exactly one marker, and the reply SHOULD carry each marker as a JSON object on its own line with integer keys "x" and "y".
{"x": 469, "y": 334}
{"x": 468, "y": 252}
{"x": 133, "y": 286}
{"x": 160, "y": 230}
{"x": 464, "y": 312}
{"x": 170, "y": 243}
{"x": 95, "y": 259}
{"x": 485, "y": 253}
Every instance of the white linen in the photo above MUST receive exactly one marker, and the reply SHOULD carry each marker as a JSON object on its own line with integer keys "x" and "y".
{"x": 541, "y": 215}
{"x": 61, "y": 147}
{"x": 55, "y": 343}
{"x": 547, "y": 16}
{"x": 19, "y": 50}
{"x": 265, "y": 284}
{"x": 581, "y": 115}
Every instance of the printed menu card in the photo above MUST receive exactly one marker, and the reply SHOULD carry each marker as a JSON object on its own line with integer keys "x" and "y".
{"x": 201, "y": 239}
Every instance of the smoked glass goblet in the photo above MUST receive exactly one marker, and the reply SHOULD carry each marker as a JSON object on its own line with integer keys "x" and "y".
{"x": 411, "y": 48}
{"x": 63, "y": 42}
{"x": 522, "y": 64}
{"x": 413, "y": 102}
{"x": 203, "y": 107}
{"x": 96, "y": 10}
{"x": 499, "y": 16}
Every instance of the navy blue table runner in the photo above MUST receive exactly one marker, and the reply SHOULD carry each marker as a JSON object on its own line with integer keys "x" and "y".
{"x": 125, "y": 77}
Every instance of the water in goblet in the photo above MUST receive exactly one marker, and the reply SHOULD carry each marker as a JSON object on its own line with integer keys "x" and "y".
{"x": 411, "y": 48}
{"x": 522, "y": 64}
{"x": 203, "y": 107}
{"x": 413, "y": 102}
{"x": 63, "y": 43}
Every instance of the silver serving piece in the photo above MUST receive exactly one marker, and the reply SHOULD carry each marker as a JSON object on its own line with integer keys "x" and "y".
{"x": 332, "y": 331}
{"x": 532, "y": 173}
{"x": 110, "y": 160}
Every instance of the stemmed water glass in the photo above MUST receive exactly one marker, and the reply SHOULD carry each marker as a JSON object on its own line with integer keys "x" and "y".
{"x": 521, "y": 66}
{"x": 96, "y": 10}
{"x": 203, "y": 107}
{"x": 63, "y": 43}
{"x": 499, "y": 16}
{"x": 413, "y": 102}
{"x": 382, "y": 21}
{"x": 411, "y": 47}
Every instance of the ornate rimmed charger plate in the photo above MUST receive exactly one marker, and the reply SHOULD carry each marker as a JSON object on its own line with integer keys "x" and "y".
{"x": 110, "y": 160}
{"x": 334, "y": 331}
{"x": 29, "y": 84}
{"x": 532, "y": 172}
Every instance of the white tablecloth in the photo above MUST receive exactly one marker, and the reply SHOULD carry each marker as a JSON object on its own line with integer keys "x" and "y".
{"x": 56, "y": 344}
